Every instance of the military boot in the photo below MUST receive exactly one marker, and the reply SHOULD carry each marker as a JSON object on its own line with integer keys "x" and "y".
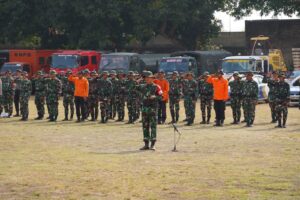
{"x": 152, "y": 147}
{"x": 208, "y": 119}
{"x": 146, "y": 147}
{"x": 203, "y": 120}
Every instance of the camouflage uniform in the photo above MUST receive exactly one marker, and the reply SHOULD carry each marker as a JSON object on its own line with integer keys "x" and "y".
{"x": 104, "y": 93}
{"x": 25, "y": 92}
{"x": 113, "y": 104}
{"x": 271, "y": 96}
{"x": 250, "y": 97}
{"x": 149, "y": 111}
{"x": 52, "y": 96}
{"x": 174, "y": 97}
{"x": 236, "y": 99}
{"x": 93, "y": 98}
{"x": 68, "y": 89}
{"x": 190, "y": 93}
{"x": 282, "y": 97}
{"x": 131, "y": 88}
{"x": 39, "y": 100}
{"x": 206, "y": 93}
{"x": 120, "y": 98}
{"x": 17, "y": 92}
{"x": 8, "y": 94}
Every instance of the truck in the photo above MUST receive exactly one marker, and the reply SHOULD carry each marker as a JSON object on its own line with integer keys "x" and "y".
{"x": 121, "y": 61}
{"x": 263, "y": 59}
{"x": 28, "y": 60}
{"x": 75, "y": 60}
{"x": 209, "y": 61}
{"x": 4, "y": 57}
{"x": 181, "y": 64}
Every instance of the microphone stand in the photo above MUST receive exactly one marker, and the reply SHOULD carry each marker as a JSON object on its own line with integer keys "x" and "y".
{"x": 175, "y": 142}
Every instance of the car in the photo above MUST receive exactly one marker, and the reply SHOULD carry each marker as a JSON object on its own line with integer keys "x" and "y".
{"x": 294, "y": 91}
{"x": 263, "y": 89}
{"x": 294, "y": 74}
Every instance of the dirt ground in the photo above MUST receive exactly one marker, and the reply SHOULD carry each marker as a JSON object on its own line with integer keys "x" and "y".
{"x": 67, "y": 160}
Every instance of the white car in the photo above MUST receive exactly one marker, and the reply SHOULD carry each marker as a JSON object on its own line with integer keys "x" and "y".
{"x": 294, "y": 90}
{"x": 263, "y": 89}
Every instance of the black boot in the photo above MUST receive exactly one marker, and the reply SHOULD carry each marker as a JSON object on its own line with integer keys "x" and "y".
{"x": 203, "y": 120}
{"x": 146, "y": 147}
{"x": 152, "y": 147}
{"x": 218, "y": 123}
{"x": 177, "y": 116}
{"x": 208, "y": 120}
{"x": 279, "y": 124}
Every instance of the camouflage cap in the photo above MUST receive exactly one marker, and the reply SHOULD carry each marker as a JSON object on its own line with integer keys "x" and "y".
{"x": 175, "y": 73}
{"x": 121, "y": 72}
{"x": 113, "y": 72}
{"x": 105, "y": 73}
{"x": 249, "y": 73}
{"x": 8, "y": 72}
{"x": 24, "y": 73}
{"x": 281, "y": 75}
{"x": 161, "y": 71}
{"x": 52, "y": 72}
{"x": 148, "y": 74}
{"x": 69, "y": 71}
{"x": 136, "y": 73}
{"x": 86, "y": 71}
{"x": 39, "y": 73}
{"x": 93, "y": 72}
{"x": 190, "y": 73}
{"x": 206, "y": 73}
{"x": 275, "y": 73}
{"x": 19, "y": 70}
{"x": 221, "y": 72}
{"x": 236, "y": 73}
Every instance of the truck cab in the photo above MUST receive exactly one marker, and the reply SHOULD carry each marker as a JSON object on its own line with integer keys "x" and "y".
{"x": 14, "y": 66}
{"x": 242, "y": 64}
{"x": 180, "y": 64}
{"x": 75, "y": 61}
{"x": 122, "y": 61}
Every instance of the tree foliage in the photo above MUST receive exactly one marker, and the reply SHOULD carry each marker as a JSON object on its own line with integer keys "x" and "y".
{"x": 107, "y": 24}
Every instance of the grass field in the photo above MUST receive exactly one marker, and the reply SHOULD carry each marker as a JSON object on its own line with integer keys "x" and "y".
{"x": 67, "y": 160}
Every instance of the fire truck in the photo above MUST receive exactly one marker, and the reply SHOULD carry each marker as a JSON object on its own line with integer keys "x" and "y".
{"x": 28, "y": 60}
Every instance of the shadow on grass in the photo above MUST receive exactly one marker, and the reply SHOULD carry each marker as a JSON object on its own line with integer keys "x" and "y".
{"x": 119, "y": 152}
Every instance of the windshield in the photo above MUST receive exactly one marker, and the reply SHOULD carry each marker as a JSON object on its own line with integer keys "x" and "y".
{"x": 294, "y": 74}
{"x": 230, "y": 66}
{"x": 12, "y": 67}
{"x": 65, "y": 61}
{"x": 114, "y": 62}
{"x": 174, "y": 64}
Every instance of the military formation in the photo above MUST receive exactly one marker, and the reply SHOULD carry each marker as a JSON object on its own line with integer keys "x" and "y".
{"x": 110, "y": 92}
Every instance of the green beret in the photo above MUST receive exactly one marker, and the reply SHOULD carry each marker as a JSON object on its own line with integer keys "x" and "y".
{"x": 52, "y": 72}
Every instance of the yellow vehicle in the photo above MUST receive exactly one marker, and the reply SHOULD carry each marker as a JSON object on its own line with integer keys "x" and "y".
{"x": 275, "y": 57}
{"x": 261, "y": 60}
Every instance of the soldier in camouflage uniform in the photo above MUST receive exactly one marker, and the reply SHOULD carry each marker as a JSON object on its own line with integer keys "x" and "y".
{"x": 113, "y": 104}
{"x": 151, "y": 94}
{"x": 68, "y": 95}
{"x": 138, "y": 100}
{"x": 17, "y": 82}
{"x": 53, "y": 93}
{"x": 272, "y": 92}
{"x": 40, "y": 93}
{"x": 236, "y": 97}
{"x": 175, "y": 93}
{"x": 25, "y": 92}
{"x": 190, "y": 94}
{"x": 250, "y": 97}
{"x": 93, "y": 96}
{"x": 282, "y": 97}
{"x": 206, "y": 93}
{"x": 8, "y": 93}
{"x": 86, "y": 74}
{"x": 120, "y": 96}
{"x": 131, "y": 89}
{"x": 104, "y": 93}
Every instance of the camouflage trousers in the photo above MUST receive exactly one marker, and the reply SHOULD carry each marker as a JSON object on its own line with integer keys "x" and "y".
{"x": 7, "y": 100}
{"x": 205, "y": 105}
{"x": 52, "y": 104}
{"x": 104, "y": 109}
{"x": 1, "y": 104}
{"x": 39, "y": 101}
{"x": 24, "y": 106}
{"x": 68, "y": 102}
{"x": 189, "y": 108}
{"x": 93, "y": 105}
{"x": 272, "y": 105}
{"x": 236, "y": 104}
{"x": 132, "y": 107}
{"x": 120, "y": 103}
{"x": 174, "y": 107}
{"x": 149, "y": 120}
{"x": 281, "y": 111}
{"x": 249, "y": 105}
{"x": 113, "y": 108}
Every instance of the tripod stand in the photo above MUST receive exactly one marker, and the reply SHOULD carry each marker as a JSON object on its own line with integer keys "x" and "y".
{"x": 179, "y": 135}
